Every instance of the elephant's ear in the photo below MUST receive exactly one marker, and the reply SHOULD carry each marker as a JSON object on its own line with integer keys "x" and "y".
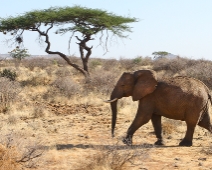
{"x": 145, "y": 83}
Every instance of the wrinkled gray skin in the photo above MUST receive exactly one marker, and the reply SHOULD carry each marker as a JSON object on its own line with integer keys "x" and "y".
{"x": 179, "y": 98}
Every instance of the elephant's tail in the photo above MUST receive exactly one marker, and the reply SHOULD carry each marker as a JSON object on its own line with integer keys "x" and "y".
{"x": 209, "y": 97}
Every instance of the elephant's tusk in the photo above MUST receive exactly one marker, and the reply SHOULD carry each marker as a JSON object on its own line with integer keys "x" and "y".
{"x": 110, "y": 101}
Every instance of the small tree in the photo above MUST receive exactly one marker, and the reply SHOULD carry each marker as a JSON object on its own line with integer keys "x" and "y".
{"x": 76, "y": 19}
{"x": 19, "y": 54}
{"x": 159, "y": 54}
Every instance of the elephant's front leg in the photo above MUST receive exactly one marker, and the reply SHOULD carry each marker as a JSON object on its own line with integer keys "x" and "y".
{"x": 156, "y": 122}
{"x": 142, "y": 117}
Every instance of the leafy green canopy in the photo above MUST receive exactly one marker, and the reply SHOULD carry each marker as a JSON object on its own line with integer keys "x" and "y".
{"x": 85, "y": 20}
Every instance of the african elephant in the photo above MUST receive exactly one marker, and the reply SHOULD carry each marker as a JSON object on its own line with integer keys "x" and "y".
{"x": 180, "y": 98}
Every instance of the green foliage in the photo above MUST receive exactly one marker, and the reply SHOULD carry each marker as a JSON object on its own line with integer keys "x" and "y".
{"x": 137, "y": 60}
{"x": 11, "y": 75}
{"x": 95, "y": 63}
{"x": 160, "y": 53}
{"x": 19, "y": 54}
{"x": 84, "y": 20}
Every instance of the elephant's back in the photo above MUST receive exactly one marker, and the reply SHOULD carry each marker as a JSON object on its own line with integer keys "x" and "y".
{"x": 187, "y": 85}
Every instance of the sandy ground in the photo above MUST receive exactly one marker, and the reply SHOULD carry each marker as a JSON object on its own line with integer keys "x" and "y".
{"x": 74, "y": 134}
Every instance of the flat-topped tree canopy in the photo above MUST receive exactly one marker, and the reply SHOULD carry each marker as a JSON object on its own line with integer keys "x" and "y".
{"x": 84, "y": 20}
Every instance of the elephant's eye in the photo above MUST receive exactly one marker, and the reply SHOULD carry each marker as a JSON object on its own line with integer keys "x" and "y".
{"x": 122, "y": 85}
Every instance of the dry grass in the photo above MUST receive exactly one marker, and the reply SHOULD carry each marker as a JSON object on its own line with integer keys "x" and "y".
{"x": 17, "y": 154}
{"x": 114, "y": 157}
{"x": 9, "y": 91}
{"x": 50, "y": 101}
{"x": 8, "y": 158}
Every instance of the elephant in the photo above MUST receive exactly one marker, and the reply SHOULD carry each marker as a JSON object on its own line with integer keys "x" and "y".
{"x": 180, "y": 98}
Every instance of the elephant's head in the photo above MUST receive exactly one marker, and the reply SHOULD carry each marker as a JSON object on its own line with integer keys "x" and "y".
{"x": 137, "y": 85}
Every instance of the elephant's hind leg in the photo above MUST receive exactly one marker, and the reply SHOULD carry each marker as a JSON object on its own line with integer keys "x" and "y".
{"x": 187, "y": 140}
{"x": 156, "y": 122}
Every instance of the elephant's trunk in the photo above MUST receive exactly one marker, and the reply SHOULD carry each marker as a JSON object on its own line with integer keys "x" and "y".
{"x": 114, "y": 97}
{"x": 114, "y": 115}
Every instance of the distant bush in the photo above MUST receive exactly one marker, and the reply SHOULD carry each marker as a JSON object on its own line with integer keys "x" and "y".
{"x": 11, "y": 75}
{"x": 66, "y": 86}
{"x": 126, "y": 64}
{"x": 36, "y": 81}
{"x": 110, "y": 64}
{"x": 134, "y": 64}
{"x": 202, "y": 71}
{"x": 63, "y": 72}
{"x": 102, "y": 81}
{"x": 173, "y": 66}
{"x": 94, "y": 63}
{"x": 37, "y": 62}
{"x": 9, "y": 91}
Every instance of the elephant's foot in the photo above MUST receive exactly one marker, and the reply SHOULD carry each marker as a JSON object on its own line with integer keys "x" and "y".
{"x": 159, "y": 142}
{"x": 127, "y": 141}
{"x": 185, "y": 143}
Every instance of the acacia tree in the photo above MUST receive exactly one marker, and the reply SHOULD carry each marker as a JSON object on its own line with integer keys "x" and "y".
{"x": 158, "y": 54}
{"x": 76, "y": 19}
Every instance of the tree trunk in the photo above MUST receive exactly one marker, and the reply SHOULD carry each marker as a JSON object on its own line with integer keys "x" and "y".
{"x": 85, "y": 65}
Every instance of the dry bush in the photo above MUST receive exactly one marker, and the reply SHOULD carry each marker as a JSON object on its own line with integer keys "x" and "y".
{"x": 9, "y": 91}
{"x": 39, "y": 62}
{"x": 67, "y": 86}
{"x": 142, "y": 61}
{"x": 136, "y": 63}
{"x": 12, "y": 119}
{"x": 8, "y": 158}
{"x": 172, "y": 66}
{"x": 101, "y": 82}
{"x": 36, "y": 80}
{"x": 94, "y": 63}
{"x": 110, "y": 64}
{"x": 18, "y": 154}
{"x": 126, "y": 64}
{"x": 38, "y": 111}
{"x": 202, "y": 71}
{"x": 63, "y": 72}
{"x": 114, "y": 158}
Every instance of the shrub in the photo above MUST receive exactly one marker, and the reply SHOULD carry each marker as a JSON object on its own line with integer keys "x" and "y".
{"x": 38, "y": 111}
{"x": 8, "y": 157}
{"x": 145, "y": 61}
{"x": 114, "y": 158}
{"x": 9, "y": 91}
{"x": 137, "y": 60}
{"x": 63, "y": 72}
{"x": 110, "y": 64}
{"x": 12, "y": 119}
{"x": 36, "y": 80}
{"x": 19, "y": 54}
{"x": 94, "y": 63}
{"x": 102, "y": 81}
{"x": 66, "y": 86}
{"x": 18, "y": 154}
{"x": 126, "y": 64}
{"x": 172, "y": 65}
{"x": 8, "y": 74}
{"x": 36, "y": 62}
{"x": 202, "y": 71}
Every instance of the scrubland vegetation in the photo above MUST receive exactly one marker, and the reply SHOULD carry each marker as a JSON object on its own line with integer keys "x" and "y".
{"x": 52, "y": 117}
